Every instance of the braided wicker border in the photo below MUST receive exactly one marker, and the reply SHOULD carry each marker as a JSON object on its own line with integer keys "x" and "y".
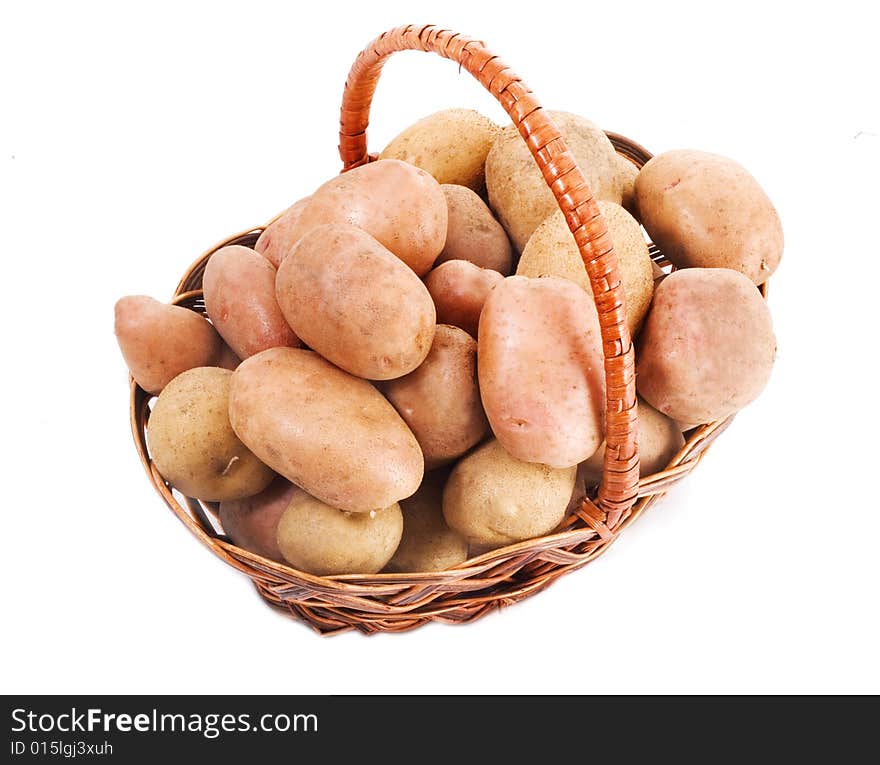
{"x": 399, "y": 602}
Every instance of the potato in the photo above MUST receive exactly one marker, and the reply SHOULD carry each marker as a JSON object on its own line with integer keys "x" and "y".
{"x": 451, "y": 145}
{"x": 330, "y": 433}
{"x": 160, "y": 341}
{"x": 355, "y": 303}
{"x": 627, "y": 173}
{"x": 252, "y": 522}
{"x": 398, "y": 204}
{"x": 493, "y": 499}
{"x": 276, "y": 240}
{"x": 459, "y": 289}
{"x": 440, "y": 401}
{"x": 473, "y": 234}
{"x": 541, "y": 370}
{"x": 239, "y": 290}
{"x": 659, "y": 441}
{"x": 706, "y": 211}
{"x": 518, "y": 193}
{"x": 193, "y": 445}
{"x": 428, "y": 544}
{"x": 552, "y": 251}
{"x": 707, "y": 346}
{"x": 321, "y": 540}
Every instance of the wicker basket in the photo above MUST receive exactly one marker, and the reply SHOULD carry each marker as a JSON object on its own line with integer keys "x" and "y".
{"x": 398, "y": 602}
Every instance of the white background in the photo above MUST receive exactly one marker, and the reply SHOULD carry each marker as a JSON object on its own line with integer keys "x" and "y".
{"x": 134, "y": 136}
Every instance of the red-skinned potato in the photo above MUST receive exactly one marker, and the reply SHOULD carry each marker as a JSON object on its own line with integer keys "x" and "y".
{"x": 541, "y": 370}
{"x": 400, "y": 205}
{"x": 252, "y": 522}
{"x": 440, "y": 400}
{"x": 328, "y": 432}
{"x": 160, "y": 341}
{"x": 459, "y": 289}
{"x": 277, "y": 238}
{"x": 473, "y": 234}
{"x": 355, "y": 303}
{"x": 239, "y": 290}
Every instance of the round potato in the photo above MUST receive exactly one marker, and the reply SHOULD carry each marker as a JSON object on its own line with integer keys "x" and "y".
{"x": 193, "y": 445}
{"x": 552, "y": 251}
{"x": 277, "y": 238}
{"x": 451, "y": 145}
{"x": 707, "y": 347}
{"x": 252, "y": 522}
{"x": 459, "y": 289}
{"x": 428, "y": 544}
{"x": 473, "y": 234}
{"x": 440, "y": 401}
{"x": 659, "y": 440}
{"x": 400, "y": 205}
{"x": 330, "y": 433}
{"x": 541, "y": 370}
{"x": 627, "y": 172}
{"x": 355, "y": 303}
{"x": 518, "y": 193}
{"x": 707, "y": 211}
{"x": 239, "y": 290}
{"x": 492, "y": 499}
{"x": 321, "y": 540}
{"x": 159, "y": 341}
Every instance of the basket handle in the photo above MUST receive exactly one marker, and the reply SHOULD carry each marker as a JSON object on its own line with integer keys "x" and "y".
{"x": 620, "y": 475}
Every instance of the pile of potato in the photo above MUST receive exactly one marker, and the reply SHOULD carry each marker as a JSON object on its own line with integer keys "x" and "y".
{"x": 408, "y": 366}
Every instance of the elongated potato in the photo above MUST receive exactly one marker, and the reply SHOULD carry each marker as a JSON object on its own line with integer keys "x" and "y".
{"x": 397, "y": 203}
{"x": 160, "y": 341}
{"x": 440, "y": 401}
{"x": 330, "y": 433}
{"x": 277, "y": 238}
{"x": 473, "y": 234}
{"x": 493, "y": 499}
{"x": 252, "y": 522}
{"x": 541, "y": 370}
{"x": 239, "y": 289}
{"x": 707, "y": 211}
{"x": 459, "y": 289}
{"x": 355, "y": 303}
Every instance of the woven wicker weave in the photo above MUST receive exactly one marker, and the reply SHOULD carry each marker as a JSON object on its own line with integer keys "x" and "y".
{"x": 397, "y": 602}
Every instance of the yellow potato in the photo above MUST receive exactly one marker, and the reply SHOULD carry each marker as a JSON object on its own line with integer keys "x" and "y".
{"x": 451, "y": 145}
{"x": 459, "y": 289}
{"x": 330, "y": 433}
{"x": 251, "y": 523}
{"x": 707, "y": 347}
{"x": 400, "y": 205}
{"x": 552, "y": 251}
{"x": 473, "y": 234}
{"x": 541, "y": 370}
{"x": 440, "y": 401}
{"x": 319, "y": 539}
{"x": 193, "y": 445}
{"x": 355, "y": 303}
{"x": 277, "y": 238}
{"x": 707, "y": 211}
{"x": 493, "y": 500}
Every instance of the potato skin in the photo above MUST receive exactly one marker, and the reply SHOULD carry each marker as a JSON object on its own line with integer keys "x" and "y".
{"x": 159, "y": 341}
{"x": 330, "y": 433}
{"x": 706, "y": 211}
{"x": 459, "y": 289}
{"x": 552, "y": 251}
{"x": 473, "y": 234}
{"x": 322, "y": 540}
{"x": 193, "y": 445}
{"x": 518, "y": 193}
{"x": 397, "y": 203}
{"x": 707, "y": 347}
{"x": 252, "y": 522}
{"x": 239, "y": 290}
{"x": 493, "y": 499}
{"x": 277, "y": 238}
{"x": 440, "y": 400}
{"x": 451, "y": 145}
{"x": 427, "y": 544}
{"x": 541, "y": 370}
{"x": 355, "y": 303}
